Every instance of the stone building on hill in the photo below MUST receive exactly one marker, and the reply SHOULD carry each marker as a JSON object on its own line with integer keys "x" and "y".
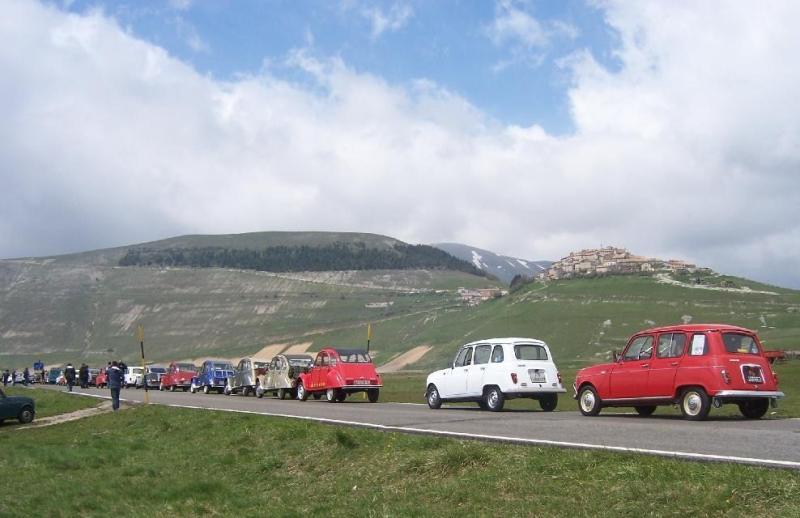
{"x": 611, "y": 261}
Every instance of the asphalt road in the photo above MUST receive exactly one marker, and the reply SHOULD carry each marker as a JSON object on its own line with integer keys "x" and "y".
{"x": 772, "y": 442}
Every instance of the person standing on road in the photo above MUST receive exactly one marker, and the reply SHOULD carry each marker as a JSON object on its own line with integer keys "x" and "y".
{"x": 6, "y": 374}
{"x": 26, "y": 377}
{"x": 114, "y": 381}
{"x": 83, "y": 375}
{"x": 69, "y": 376}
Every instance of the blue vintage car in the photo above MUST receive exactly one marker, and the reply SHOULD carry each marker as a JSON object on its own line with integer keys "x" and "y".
{"x": 213, "y": 375}
{"x": 16, "y": 407}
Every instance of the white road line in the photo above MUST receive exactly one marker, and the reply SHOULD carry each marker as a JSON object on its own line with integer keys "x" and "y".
{"x": 496, "y": 438}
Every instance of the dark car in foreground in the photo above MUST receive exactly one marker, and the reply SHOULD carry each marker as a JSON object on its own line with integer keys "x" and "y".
{"x": 21, "y": 408}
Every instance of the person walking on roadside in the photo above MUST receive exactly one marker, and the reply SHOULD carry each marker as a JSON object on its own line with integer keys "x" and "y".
{"x": 69, "y": 376}
{"x": 114, "y": 381}
{"x": 123, "y": 367}
{"x": 83, "y": 375}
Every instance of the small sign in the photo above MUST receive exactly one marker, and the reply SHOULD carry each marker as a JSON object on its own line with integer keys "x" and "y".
{"x": 38, "y": 366}
{"x": 140, "y": 333}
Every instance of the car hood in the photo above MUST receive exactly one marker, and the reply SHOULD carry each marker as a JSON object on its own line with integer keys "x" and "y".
{"x": 594, "y": 370}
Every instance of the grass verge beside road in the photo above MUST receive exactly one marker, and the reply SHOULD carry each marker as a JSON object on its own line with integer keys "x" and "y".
{"x": 52, "y": 402}
{"x": 160, "y": 461}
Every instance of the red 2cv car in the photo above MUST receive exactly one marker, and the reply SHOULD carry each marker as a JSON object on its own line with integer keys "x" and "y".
{"x": 693, "y": 366}
{"x": 338, "y": 373}
{"x": 178, "y": 376}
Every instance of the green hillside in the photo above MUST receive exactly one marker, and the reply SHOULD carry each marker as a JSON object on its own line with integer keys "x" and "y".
{"x": 89, "y": 313}
{"x": 584, "y": 319}
{"x": 85, "y": 308}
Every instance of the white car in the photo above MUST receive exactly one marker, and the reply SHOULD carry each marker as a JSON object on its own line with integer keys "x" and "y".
{"x": 133, "y": 376}
{"x": 490, "y": 371}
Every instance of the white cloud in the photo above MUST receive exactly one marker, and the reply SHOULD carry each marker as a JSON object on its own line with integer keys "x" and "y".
{"x": 690, "y": 149}
{"x": 391, "y": 20}
{"x": 525, "y": 37}
{"x": 181, "y": 5}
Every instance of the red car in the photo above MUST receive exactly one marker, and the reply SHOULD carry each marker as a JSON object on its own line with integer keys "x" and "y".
{"x": 693, "y": 366}
{"x": 178, "y": 375}
{"x": 338, "y": 373}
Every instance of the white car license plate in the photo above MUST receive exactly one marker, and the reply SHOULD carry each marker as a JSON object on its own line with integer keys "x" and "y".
{"x": 537, "y": 376}
{"x": 361, "y": 382}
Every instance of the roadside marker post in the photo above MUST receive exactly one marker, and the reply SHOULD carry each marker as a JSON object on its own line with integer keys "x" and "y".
{"x": 369, "y": 339}
{"x": 140, "y": 337}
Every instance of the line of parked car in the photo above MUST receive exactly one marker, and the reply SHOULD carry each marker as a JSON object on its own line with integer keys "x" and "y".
{"x": 695, "y": 367}
{"x": 335, "y": 373}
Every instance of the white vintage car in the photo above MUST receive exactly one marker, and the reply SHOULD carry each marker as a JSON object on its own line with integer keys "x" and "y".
{"x": 133, "y": 376}
{"x": 491, "y": 371}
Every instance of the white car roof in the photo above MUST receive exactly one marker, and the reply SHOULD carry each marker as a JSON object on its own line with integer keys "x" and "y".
{"x": 508, "y": 340}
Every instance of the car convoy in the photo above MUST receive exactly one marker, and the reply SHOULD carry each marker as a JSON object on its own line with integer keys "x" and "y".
{"x": 695, "y": 367}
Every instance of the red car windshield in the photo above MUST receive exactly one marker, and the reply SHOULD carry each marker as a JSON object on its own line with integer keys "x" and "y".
{"x": 737, "y": 343}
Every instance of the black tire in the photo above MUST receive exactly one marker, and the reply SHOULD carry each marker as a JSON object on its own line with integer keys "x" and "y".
{"x": 589, "y": 402}
{"x": 754, "y": 408}
{"x": 160, "y": 387}
{"x": 341, "y": 395}
{"x": 227, "y": 390}
{"x": 206, "y": 390}
{"x": 246, "y": 392}
{"x": 695, "y": 404}
{"x": 25, "y": 415}
{"x": 548, "y": 402}
{"x": 330, "y": 395}
{"x": 302, "y": 395}
{"x": 373, "y": 394}
{"x": 172, "y": 388}
{"x": 433, "y": 397}
{"x": 645, "y": 411}
{"x": 192, "y": 389}
{"x": 494, "y": 399}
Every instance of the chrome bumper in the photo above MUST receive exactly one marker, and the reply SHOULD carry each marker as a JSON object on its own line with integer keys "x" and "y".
{"x": 749, "y": 393}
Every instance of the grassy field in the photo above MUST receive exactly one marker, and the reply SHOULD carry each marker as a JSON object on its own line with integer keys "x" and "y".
{"x": 158, "y": 461}
{"x": 410, "y": 387}
{"x": 49, "y": 402}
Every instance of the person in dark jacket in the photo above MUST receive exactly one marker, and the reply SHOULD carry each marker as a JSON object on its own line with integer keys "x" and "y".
{"x": 83, "y": 375}
{"x": 69, "y": 376}
{"x": 6, "y": 377}
{"x": 115, "y": 377}
{"x": 26, "y": 377}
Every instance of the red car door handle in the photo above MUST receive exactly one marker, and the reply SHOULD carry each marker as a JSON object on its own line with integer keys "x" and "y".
{"x": 645, "y": 365}
{"x": 674, "y": 364}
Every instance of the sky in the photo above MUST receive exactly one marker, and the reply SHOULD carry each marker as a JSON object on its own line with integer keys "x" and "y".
{"x": 529, "y": 128}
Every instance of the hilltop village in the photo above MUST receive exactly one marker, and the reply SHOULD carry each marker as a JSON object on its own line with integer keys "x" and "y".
{"x": 612, "y": 261}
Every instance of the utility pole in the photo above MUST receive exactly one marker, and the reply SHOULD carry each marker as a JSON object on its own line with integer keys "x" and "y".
{"x": 140, "y": 337}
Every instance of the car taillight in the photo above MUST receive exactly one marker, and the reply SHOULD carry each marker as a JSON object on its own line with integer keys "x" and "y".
{"x": 349, "y": 382}
{"x": 559, "y": 377}
{"x": 725, "y": 376}
{"x": 514, "y": 377}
